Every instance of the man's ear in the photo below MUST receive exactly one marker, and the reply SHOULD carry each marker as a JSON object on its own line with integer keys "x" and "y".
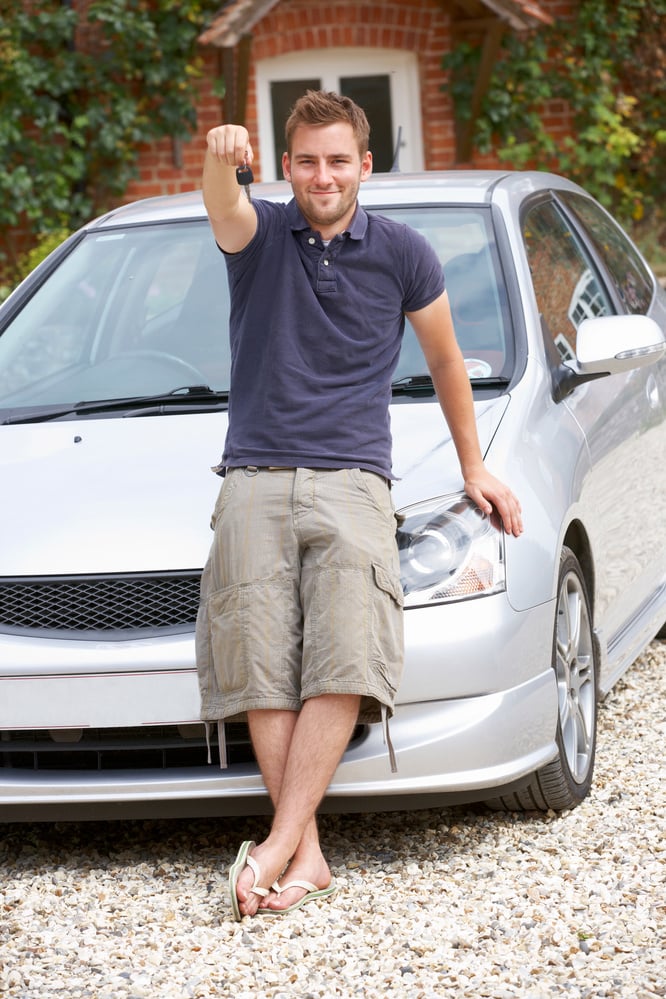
{"x": 286, "y": 166}
{"x": 366, "y": 166}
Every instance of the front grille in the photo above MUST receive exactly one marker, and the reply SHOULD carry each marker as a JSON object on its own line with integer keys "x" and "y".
{"x": 82, "y": 604}
{"x": 151, "y": 747}
{"x": 154, "y": 747}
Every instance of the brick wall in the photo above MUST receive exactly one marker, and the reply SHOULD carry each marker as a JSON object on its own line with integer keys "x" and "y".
{"x": 420, "y": 26}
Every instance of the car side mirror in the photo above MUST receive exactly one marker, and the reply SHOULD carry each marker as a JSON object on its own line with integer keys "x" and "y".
{"x": 608, "y": 345}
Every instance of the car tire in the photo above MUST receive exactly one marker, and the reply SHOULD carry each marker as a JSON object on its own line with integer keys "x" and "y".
{"x": 566, "y": 781}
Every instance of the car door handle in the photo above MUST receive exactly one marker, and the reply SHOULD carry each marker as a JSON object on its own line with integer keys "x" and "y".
{"x": 652, "y": 391}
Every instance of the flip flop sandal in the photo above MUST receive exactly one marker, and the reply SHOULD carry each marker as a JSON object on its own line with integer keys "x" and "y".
{"x": 242, "y": 861}
{"x": 312, "y": 891}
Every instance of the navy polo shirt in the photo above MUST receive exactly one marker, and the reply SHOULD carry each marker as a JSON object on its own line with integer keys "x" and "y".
{"x": 315, "y": 337}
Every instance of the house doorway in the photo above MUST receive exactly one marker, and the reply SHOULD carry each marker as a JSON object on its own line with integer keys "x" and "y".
{"x": 383, "y": 81}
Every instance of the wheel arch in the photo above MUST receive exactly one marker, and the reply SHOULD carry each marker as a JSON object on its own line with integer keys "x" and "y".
{"x": 577, "y": 540}
{"x": 560, "y": 785}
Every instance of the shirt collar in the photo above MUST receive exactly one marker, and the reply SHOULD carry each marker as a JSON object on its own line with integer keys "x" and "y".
{"x": 357, "y": 226}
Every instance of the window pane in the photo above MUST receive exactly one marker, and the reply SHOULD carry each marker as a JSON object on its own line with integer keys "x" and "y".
{"x": 630, "y": 277}
{"x": 128, "y": 313}
{"x": 284, "y": 94}
{"x": 373, "y": 94}
{"x": 566, "y": 285}
{"x": 464, "y": 241}
{"x": 56, "y": 330}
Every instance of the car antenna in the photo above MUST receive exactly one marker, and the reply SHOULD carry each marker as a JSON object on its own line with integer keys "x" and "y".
{"x": 395, "y": 166}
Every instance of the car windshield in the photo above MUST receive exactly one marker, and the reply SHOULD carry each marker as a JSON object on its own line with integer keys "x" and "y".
{"x": 142, "y": 312}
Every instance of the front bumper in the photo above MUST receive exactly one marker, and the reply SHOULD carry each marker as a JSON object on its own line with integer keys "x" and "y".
{"x": 463, "y": 729}
{"x": 447, "y": 751}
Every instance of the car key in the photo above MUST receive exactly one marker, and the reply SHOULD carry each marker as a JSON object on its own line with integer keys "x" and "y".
{"x": 245, "y": 177}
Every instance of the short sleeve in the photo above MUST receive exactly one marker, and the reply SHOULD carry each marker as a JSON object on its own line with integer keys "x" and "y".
{"x": 423, "y": 275}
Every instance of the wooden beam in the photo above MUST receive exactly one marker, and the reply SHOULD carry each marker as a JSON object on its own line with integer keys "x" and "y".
{"x": 470, "y": 7}
{"x": 235, "y": 68}
{"x": 491, "y": 46}
{"x": 243, "y": 76}
{"x": 518, "y": 14}
{"x": 229, "y": 73}
{"x": 473, "y": 24}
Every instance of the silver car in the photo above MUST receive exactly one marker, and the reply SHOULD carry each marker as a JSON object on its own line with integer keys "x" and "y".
{"x": 114, "y": 378}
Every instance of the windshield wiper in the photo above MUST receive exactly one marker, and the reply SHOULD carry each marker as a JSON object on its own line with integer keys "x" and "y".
{"x": 192, "y": 396}
{"x": 422, "y": 384}
{"x": 494, "y": 381}
{"x": 411, "y": 384}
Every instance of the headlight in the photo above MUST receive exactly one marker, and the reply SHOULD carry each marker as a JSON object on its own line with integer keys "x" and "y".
{"x": 449, "y": 550}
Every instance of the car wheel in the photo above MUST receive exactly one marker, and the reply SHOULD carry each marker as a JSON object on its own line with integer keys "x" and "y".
{"x": 566, "y": 781}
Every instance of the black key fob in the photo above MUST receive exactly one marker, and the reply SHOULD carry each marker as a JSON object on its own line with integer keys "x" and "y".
{"x": 244, "y": 175}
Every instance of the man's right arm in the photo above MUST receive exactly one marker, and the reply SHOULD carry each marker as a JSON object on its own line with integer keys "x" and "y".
{"x": 232, "y": 217}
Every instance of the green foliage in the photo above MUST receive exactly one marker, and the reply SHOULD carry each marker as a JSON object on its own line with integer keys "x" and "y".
{"x": 78, "y": 97}
{"x": 607, "y": 65}
{"x": 45, "y": 244}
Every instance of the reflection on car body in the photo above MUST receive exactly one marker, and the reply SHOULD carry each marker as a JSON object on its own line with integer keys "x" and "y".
{"x": 114, "y": 390}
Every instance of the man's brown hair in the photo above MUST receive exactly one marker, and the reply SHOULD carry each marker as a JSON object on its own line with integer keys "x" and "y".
{"x": 320, "y": 107}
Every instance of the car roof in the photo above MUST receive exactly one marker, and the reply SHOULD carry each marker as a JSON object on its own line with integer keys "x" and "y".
{"x": 466, "y": 187}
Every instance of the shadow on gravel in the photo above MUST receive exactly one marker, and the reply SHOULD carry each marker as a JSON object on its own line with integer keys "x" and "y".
{"x": 354, "y": 840}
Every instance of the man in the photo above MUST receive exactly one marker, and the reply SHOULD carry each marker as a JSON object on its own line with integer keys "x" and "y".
{"x": 301, "y": 620}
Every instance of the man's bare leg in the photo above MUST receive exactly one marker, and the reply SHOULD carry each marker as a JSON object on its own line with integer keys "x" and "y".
{"x": 307, "y": 863}
{"x": 271, "y": 733}
{"x": 298, "y": 755}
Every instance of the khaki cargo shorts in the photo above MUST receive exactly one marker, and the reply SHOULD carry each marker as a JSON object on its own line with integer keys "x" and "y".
{"x": 301, "y": 594}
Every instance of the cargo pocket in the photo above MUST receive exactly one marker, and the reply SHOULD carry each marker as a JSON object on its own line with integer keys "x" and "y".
{"x": 387, "y": 582}
{"x": 229, "y": 622}
{"x": 388, "y": 626}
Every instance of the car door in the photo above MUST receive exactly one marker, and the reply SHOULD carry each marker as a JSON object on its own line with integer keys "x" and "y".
{"x": 621, "y": 418}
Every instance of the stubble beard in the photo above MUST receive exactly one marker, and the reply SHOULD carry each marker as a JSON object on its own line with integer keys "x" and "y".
{"x": 318, "y": 216}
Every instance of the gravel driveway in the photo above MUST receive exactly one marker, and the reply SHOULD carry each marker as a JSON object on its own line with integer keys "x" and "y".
{"x": 456, "y": 903}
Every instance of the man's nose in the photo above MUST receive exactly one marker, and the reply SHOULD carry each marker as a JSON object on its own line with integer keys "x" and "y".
{"x": 323, "y": 173}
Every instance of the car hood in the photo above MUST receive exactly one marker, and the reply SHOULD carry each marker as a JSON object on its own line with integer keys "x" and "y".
{"x": 425, "y": 463}
{"x": 136, "y": 494}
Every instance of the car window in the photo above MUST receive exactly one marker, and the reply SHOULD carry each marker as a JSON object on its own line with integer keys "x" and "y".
{"x": 143, "y": 310}
{"x": 629, "y": 274}
{"x": 566, "y": 284}
{"x": 52, "y": 332}
{"x": 138, "y": 311}
{"x": 463, "y": 239}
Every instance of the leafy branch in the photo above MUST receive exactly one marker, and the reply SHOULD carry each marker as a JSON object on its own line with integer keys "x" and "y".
{"x": 607, "y": 66}
{"x": 80, "y": 94}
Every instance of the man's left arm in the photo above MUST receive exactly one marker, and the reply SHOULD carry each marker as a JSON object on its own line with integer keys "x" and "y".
{"x": 433, "y": 326}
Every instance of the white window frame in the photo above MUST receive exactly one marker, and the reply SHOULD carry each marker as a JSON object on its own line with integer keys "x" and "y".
{"x": 329, "y": 65}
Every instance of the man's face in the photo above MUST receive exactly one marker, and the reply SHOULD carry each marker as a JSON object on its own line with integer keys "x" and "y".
{"x": 325, "y": 170}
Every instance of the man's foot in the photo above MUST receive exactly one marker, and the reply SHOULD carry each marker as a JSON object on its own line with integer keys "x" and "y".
{"x": 305, "y": 878}
{"x": 252, "y": 884}
{"x": 242, "y": 861}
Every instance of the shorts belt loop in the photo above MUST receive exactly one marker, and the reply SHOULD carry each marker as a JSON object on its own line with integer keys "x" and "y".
{"x": 387, "y": 739}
